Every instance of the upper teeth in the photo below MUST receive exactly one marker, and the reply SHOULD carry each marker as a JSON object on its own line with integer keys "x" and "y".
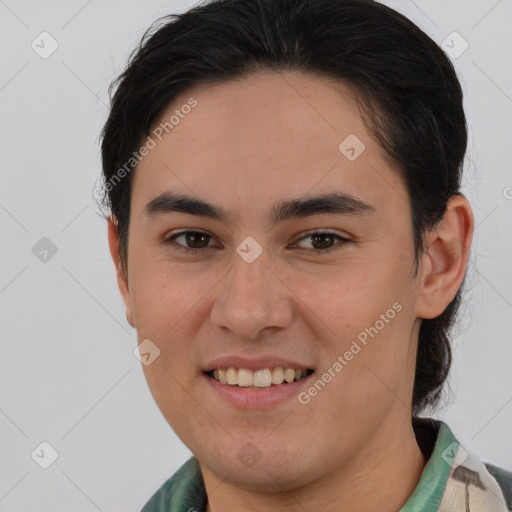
{"x": 260, "y": 378}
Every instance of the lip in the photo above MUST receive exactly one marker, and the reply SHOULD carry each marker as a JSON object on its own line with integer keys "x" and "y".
{"x": 251, "y": 398}
{"x": 254, "y": 363}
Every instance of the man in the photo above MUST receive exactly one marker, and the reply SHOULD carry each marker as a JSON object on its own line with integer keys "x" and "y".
{"x": 291, "y": 242}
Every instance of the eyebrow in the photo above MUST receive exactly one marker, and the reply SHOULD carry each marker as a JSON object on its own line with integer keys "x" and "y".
{"x": 338, "y": 203}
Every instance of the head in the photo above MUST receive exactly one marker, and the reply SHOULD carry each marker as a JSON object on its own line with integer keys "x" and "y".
{"x": 258, "y": 108}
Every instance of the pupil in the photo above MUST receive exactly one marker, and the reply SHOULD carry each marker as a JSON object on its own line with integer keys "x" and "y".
{"x": 192, "y": 236}
{"x": 328, "y": 237}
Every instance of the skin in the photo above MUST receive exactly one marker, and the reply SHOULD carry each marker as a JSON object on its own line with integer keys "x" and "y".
{"x": 246, "y": 145}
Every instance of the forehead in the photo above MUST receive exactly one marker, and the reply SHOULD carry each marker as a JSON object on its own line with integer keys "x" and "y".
{"x": 264, "y": 137}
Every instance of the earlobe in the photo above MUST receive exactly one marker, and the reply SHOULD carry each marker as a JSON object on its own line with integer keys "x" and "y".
{"x": 445, "y": 259}
{"x": 122, "y": 279}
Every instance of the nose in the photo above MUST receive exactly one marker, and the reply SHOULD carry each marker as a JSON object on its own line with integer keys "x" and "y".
{"x": 252, "y": 298}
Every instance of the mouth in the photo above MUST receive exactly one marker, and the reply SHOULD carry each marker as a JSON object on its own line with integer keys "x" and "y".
{"x": 258, "y": 379}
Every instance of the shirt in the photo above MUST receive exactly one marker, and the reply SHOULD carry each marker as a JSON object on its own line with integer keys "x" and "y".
{"x": 453, "y": 480}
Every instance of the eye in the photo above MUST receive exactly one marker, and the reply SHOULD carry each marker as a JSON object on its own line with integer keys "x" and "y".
{"x": 326, "y": 241}
{"x": 197, "y": 239}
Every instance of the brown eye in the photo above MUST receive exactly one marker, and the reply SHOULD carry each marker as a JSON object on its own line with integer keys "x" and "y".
{"x": 324, "y": 241}
{"x": 194, "y": 240}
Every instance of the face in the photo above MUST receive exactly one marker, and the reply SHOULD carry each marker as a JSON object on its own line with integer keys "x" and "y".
{"x": 257, "y": 289}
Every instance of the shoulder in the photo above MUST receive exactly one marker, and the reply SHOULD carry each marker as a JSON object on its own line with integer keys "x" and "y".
{"x": 504, "y": 480}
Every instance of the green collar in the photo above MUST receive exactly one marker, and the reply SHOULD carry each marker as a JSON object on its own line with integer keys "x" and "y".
{"x": 430, "y": 489}
{"x": 183, "y": 492}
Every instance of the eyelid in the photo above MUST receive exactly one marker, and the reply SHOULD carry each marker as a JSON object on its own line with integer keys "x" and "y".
{"x": 322, "y": 231}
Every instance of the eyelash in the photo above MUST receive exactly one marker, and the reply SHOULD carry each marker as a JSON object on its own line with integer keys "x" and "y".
{"x": 171, "y": 241}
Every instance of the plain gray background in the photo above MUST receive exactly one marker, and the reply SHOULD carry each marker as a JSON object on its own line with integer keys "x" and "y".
{"x": 68, "y": 375}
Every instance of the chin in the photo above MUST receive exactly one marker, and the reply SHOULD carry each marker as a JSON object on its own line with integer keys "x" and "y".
{"x": 270, "y": 469}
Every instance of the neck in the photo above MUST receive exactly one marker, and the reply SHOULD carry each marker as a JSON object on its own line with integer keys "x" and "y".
{"x": 381, "y": 477}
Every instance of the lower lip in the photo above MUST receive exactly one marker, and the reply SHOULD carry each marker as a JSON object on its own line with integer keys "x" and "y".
{"x": 251, "y": 398}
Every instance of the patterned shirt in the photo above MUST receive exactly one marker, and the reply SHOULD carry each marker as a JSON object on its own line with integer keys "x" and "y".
{"x": 453, "y": 480}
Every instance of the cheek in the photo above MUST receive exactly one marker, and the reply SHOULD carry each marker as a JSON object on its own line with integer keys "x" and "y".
{"x": 353, "y": 296}
{"x": 163, "y": 294}
{"x": 370, "y": 324}
{"x": 166, "y": 303}
{"x": 174, "y": 396}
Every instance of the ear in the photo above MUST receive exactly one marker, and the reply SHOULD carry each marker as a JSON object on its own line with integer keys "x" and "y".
{"x": 122, "y": 279}
{"x": 445, "y": 259}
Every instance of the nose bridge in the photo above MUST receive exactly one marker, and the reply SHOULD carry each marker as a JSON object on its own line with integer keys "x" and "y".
{"x": 251, "y": 298}
{"x": 248, "y": 285}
